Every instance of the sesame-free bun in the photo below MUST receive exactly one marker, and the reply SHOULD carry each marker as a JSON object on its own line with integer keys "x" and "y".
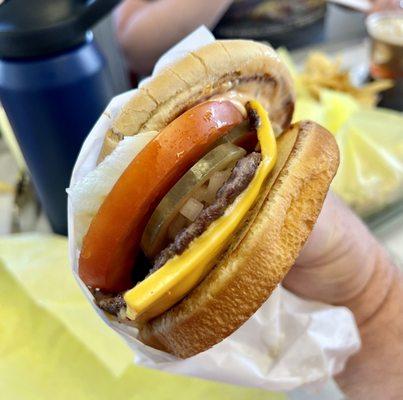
{"x": 244, "y": 65}
{"x": 262, "y": 251}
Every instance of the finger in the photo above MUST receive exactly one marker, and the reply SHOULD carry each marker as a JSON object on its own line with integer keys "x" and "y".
{"x": 338, "y": 258}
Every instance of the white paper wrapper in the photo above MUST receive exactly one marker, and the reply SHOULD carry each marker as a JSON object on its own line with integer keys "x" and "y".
{"x": 287, "y": 343}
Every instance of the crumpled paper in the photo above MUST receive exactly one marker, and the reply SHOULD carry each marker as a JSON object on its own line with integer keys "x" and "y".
{"x": 370, "y": 175}
{"x": 54, "y": 347}
{"x": 287, "y": 343}
{"x": 370, "y": 140}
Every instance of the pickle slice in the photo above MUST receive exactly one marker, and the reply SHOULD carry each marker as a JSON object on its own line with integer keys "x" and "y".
{"x": 155, "y": 235}
{"x": 236, "y": 133}
{"x": 241, "y": 135}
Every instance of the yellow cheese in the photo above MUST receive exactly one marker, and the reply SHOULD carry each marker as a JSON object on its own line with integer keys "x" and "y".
{"x": 165, "y": 287}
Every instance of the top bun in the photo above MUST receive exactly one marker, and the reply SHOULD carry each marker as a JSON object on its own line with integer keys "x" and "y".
{"x": 213, "y": 69}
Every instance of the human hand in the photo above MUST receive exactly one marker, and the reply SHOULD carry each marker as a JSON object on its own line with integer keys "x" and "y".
{"x": 343, "y": 264}
{"x": 339, "y": 261}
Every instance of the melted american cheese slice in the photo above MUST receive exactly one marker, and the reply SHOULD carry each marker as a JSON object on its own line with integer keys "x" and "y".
{"x": 179, "y": 275}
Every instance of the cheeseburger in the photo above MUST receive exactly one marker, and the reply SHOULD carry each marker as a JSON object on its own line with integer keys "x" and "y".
{"x": 202, "y": 198}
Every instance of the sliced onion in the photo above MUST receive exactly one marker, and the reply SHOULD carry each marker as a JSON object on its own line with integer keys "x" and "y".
{"x": 216, "y": 181}
{"x": 155, "y": 235}
{"x": 191, "y": 209}
{"x": 176, "y": 226}
{"x": 202, "y": 194}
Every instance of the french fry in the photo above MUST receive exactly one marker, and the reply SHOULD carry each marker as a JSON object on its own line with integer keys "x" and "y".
{"x": 321, "y": 72}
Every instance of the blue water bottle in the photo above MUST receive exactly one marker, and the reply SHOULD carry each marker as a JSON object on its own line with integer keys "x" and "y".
{"x": 53, "y": 87}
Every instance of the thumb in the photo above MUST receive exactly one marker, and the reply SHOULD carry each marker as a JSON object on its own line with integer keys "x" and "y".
{"x": 338, "y": 259}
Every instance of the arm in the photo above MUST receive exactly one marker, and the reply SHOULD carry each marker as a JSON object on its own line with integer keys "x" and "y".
{"x": 343, "y": 264}
{"x": 383, "y": 5}
{"x": 146, "y": 29}
{"x": 376, "y": 371}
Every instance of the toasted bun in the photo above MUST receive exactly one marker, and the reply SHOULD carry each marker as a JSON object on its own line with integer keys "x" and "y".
{"x": 261, "y": 253}
{"x": 213, "y": 69}
{"x": 275, "y": 229}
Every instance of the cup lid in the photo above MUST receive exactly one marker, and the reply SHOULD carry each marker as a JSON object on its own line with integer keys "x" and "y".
{"x": 386, "y": 26}
{"x": 46, "y": 26}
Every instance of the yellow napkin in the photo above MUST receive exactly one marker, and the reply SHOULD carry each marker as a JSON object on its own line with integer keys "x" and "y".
{"x": 54, "y": 346}
{"x": 370, "y": 140}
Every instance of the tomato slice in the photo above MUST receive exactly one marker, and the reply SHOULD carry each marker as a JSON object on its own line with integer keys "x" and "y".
{"x": 113, "y": 239}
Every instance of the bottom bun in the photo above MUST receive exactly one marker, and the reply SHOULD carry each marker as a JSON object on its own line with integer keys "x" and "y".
{"x": 262, "y": 251}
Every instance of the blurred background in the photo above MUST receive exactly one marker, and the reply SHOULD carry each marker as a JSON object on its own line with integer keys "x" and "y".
{"x": 60, "y": 64}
